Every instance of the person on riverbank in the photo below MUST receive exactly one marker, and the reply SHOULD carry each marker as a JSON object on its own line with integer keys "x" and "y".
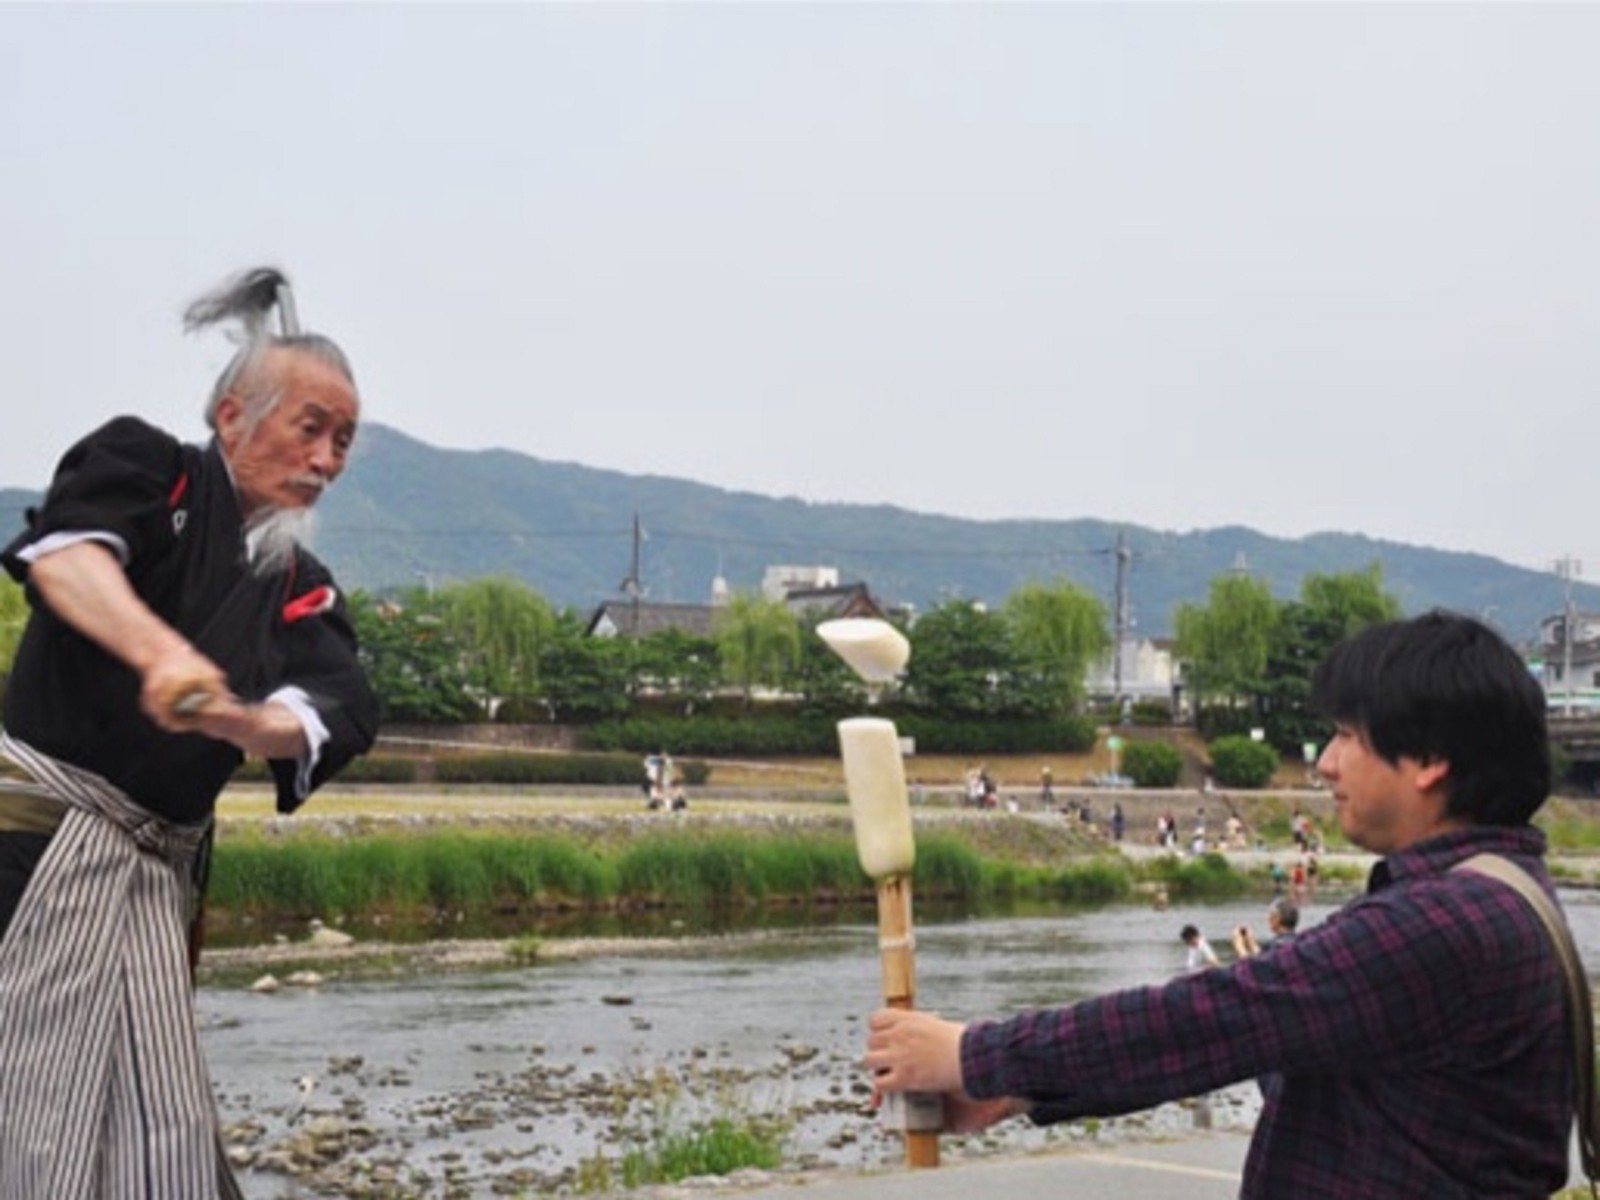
{"x": 1200, "y": 955}
{"x": 1167, "y": 831}
{"x": 1416, "y": 1043}
{"x": 177, "y": 626}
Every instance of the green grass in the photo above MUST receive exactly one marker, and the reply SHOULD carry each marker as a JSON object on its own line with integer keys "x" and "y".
{"x": 523, "y": 949}
{"x": 361, "y": 875}
{"x": 400, "y": 873}
{"x": 669, "y": 1147}
{"x": 1569, "y": 827}
{"x": 1209, "y": 877}
{"x": 716, "y": 1147}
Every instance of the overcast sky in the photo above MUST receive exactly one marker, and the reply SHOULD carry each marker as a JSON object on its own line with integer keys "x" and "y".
{"x": 1296, "y": 267}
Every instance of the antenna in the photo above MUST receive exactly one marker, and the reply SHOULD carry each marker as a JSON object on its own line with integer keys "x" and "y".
{"x": 633, "y": 585}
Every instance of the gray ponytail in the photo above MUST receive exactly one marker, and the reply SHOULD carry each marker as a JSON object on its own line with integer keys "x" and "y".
{"x": 250, "y": 298}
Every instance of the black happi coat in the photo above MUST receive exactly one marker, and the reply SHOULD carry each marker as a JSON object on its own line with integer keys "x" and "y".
{"x": 174, "y": 507}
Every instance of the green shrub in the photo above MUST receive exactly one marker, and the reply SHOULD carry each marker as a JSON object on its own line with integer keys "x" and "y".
{"x": 371, "y": 768}
{"x": 1151, "y": 712}
{"x": 710, "y": 735}
{"x": 1152, "y": 764}
{"x": 1239, "y": 762}
{"x": 539, "y": 768}
{"x": 814, "y": 736}
{"x": 938, "y": 735}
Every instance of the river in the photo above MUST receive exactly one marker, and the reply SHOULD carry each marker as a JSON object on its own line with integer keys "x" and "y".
{"x": 504, "y": 1082}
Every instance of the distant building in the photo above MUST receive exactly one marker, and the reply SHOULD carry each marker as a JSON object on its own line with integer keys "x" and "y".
{"x": 1149, "y": 672}
{"x": 1551, "y": 661}
{"x": 780, "y": 581}
{"x": 641, "y": 618}
{"x": 627, "y": 617}
{"x": 842, "y": 600}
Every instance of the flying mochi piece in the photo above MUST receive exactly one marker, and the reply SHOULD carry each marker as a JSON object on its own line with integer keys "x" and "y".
{"x": 875, "y": 649}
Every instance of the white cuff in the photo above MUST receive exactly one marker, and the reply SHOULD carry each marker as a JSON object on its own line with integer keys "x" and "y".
{"x": 52, "y": 542}
{"x": 316, "y": 733}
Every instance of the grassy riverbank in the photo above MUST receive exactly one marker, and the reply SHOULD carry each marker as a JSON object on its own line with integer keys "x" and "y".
{"x": 410, "y": 856}
{"x": 716, "y": 860}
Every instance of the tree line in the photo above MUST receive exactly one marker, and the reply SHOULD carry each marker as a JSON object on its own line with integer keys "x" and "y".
{"x": 496, "y": 648}
{"x": 1248, "y": 657}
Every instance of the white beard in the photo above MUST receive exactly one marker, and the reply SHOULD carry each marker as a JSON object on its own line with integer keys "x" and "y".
{"x": 272, "y": 536}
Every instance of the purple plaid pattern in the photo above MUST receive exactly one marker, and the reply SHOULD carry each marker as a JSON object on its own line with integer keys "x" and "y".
{"x": 1415, "y": 1044}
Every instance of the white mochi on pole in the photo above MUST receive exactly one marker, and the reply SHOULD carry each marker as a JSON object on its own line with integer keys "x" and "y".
{"x": 874, "y": 648}
{"x": 875, "y": 778}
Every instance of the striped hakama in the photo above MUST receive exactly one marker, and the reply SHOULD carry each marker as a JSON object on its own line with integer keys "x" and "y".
{"x": 103, "y": 1091}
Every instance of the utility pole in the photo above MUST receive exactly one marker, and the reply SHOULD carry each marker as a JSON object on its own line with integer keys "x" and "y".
{"x": 1568, "y": 569}
{"x": 1124, "y": 556}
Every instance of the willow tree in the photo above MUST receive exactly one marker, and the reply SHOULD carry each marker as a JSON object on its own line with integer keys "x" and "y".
{"x": 1224, "y": 643}
{"x": 758, "y": 641}
{"x": 1059, "y": 631}
{"x": 500, "y": 624}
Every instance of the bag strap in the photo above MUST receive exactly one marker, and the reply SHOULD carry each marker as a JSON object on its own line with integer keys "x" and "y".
{"x": 1579, "y": 1003}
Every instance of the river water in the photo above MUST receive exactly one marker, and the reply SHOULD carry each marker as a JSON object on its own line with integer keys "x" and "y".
{"x": 506, "y": 1082}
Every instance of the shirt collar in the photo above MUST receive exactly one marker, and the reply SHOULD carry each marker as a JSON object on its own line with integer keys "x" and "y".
{"x": 1435, "y": 855}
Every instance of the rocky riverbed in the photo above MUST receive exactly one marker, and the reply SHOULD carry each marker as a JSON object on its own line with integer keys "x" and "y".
{"x": 442, "y": 1071}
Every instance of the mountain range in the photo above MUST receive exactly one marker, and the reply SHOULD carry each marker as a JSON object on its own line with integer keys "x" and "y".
{"x": 406, "y": 513}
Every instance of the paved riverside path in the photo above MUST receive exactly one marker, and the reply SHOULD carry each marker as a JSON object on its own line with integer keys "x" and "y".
{"x": 1199, "y": 1167}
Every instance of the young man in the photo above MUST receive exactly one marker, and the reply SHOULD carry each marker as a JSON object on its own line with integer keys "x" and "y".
{"x": 177, "y": 626}
{"x": 1415, "y": 1043}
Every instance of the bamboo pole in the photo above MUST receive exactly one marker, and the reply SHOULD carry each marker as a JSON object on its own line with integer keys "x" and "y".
{"x": 919, "y": 1116}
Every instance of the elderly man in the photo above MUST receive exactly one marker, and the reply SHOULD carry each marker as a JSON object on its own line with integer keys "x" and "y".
{"x": 1415, "y": 1043}
{"x": 177, "y": 627}
{"x": 1283, "y": 918}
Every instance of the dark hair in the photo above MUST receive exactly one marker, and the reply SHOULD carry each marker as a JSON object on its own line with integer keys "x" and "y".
{"x": 1445, "y": 688}
{"x": 1187, "y": 932}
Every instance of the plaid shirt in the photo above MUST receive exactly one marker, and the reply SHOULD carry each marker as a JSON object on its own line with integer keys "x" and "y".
{"x": 1415, "y": 1044}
